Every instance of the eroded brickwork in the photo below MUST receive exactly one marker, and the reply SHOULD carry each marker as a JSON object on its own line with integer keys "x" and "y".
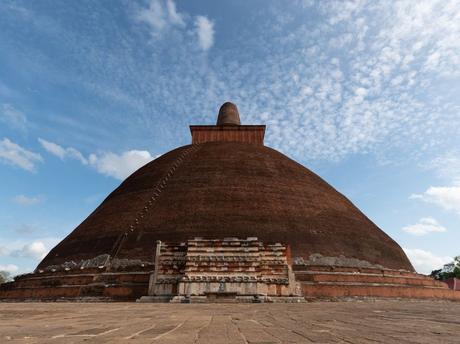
{"x": 204, "y": 267}
{"x": 253, "y": 134}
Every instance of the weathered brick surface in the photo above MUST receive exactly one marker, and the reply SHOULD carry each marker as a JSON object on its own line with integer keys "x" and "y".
{"x": 41, "y": 293}
{"x": 229, "y": 189}
{"x": 237, "y": 266}
{"x": 454, "y": 283}
{"x": 368, "y": 290}
{"x": 367, "y": 278}
{"x": 329, "y": 282}
{"x": 253, "y": 134}
{"x": 320, "y": 282}
{"x": 73, "y": 285}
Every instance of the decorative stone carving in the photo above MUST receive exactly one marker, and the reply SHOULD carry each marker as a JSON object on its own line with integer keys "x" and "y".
{"x": 232, "y": 266}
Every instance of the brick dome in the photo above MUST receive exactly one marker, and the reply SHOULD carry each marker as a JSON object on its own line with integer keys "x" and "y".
{"x": 228, "y": 189}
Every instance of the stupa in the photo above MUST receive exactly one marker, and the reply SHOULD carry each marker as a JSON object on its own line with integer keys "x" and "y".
{"x": 225, "y": 218}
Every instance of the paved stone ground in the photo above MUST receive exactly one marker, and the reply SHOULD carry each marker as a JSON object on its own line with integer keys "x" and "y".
{"x": 318, "y": 322}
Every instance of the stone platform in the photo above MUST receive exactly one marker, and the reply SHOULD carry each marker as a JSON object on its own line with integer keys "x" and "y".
{"x": 318, "y": 322}
{"x": 217, "y": 270}
{"x": 316, "y": 282}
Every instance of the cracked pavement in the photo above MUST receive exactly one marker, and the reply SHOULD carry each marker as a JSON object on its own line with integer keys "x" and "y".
{"x": 380, "y": 321}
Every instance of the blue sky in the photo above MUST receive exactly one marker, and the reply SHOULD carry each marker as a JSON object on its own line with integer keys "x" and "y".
{"x": 364, "y": 93}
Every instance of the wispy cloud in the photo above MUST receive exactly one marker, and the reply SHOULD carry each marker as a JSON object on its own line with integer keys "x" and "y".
{"x": 27, "y": 200}
{"x": 26, "y": 229}
{"x": 174, "y": 16}
{"x": 447, "y": 197}
{"x": 367, "y": 102}
{"x": 360, "y": 81}
{"x": 13, "y": 154}
{"x": 31, "y": 251}
{"x": 153, "y": 16}
{"x": 122, "y": 165}
{"x": 3, "y": 251}
{"x": 11, "y": 268}
{"x": 425, "y": 226}
{"x": 341, "y": 77}
{"x": 160, "y": 15}
{"x": 424, "y": 261}
{"x": 445, "y": 165}
{"x": 205, "y": 32}
{"x": 12, "y": 117}
{"x": 62, "y": 152}
{"x": 111, "y": 164}
{"x": 35, "y": 250}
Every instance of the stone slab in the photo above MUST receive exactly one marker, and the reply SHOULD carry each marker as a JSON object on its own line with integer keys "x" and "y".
{"x": 379, "y": 321}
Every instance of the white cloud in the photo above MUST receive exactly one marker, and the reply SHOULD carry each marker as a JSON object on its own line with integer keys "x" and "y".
{"x": 53, "y": 148}
{"x": 424, "y": 226}
{"x": 26, "y": 200}
{"x": 75, "y": 154}
{"x": 110, "y": 164}
{"x": 3, "y": 251}
{"x": 447, "y": 197}
{"x": 160, "y": 15}
{"x": 385, "y": 47}
{"x": 36, "y": 250}
{"x": 122, "y": 165}
{"x": 205, "y": 32}
{"x": 446, "y": 165}
{"x": 12, "y": 116}
{"x": 25, "y": 229}
{"x": 368, "y": 103}
{"x": 13, "y": 154}
{"x": 424, "y": 261}
{"x": 62, "y": 152}
{"x": 306, "y": 3}
{"x": 174, "y": 16}
{"x": 153, "y": 15}
{"x": 376, "y": 110}
{"x": 361, "y": 92}
{"x": 11, "y": 268}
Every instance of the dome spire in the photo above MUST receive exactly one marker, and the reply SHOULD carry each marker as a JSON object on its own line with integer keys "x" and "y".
{"x": 228, "y": 115}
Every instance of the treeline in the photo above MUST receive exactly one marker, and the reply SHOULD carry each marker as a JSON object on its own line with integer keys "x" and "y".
{"x": 451, "y": 270}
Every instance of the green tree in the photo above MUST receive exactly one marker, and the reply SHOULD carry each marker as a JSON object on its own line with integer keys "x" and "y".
{"x": 457, "y": 261}
{"x": 449, "y": 270}
{"x": 457, "y": 267}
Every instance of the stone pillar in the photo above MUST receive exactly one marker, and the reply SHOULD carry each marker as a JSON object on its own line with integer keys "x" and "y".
{"x": 154, "y": 276}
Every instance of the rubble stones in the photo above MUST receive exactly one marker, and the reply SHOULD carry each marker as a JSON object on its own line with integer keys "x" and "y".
{"x": 342, "y": 261}
{"x": 101, "y": 261}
